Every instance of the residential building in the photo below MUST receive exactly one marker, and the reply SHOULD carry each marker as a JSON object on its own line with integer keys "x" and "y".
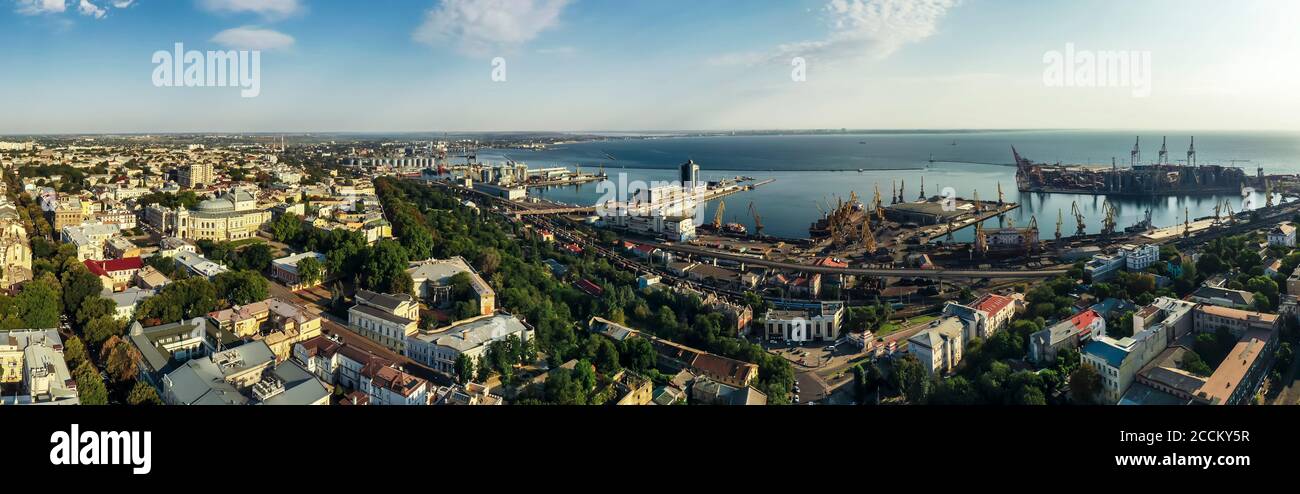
{"x": 469, "y": 394}
{"x": 198, "y": 265}
{"x": 983, "y": 316}
{"x": 278, "y": 323}
{"x": 149, "y": 278}
{"x": 1209, "y": 318}
{"x": 16, "y": 253}
{"x": 285, "y": 269}
{"x": 432, "y": 282}
{"x": 1068, "y": 334}
{"x": 89, "y": 239}
{"x": 389, "y": 320}
{"x": 195, "y": 175}
{"x": 1102, "y": 267}
{"x": 117, "y": 273}
{"x": 1282, "y": 235}
{"x": 1223, "y": 297}
{"x": 387, "y": 385}
{"x": 817, "y": 324}
{"x": 1234, "y": 382}
{"x": 709, "y": 392}
{"x": 243, "y": 375}
{"x": 1139, "y": 257}
{"x": 127, "y": 300}
{"x": 334, "y": 362}
{"x": 34, "y": 360}
{"x": 939, "y": 347}
{"x": 1117, "y": 361}
{"x": 439, "y": 348}
{"x": 163, "y": 348}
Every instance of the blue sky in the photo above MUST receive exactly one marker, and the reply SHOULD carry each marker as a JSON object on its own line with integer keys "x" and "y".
{"x": 74, "y": 66}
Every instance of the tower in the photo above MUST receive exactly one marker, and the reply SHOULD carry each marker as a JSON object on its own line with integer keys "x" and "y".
{"x": 690, "y": 174}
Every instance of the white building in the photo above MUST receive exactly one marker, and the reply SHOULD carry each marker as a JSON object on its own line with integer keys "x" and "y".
{"x": 940, "y": 346}
{"x": 1117, "y": 361}
{"x": 89, "y": 239}
{"x": 1139, "y": 257}
{"x": 41, "y": 369}
{"x": 387, "y": 319}
{"x": 440, "y": 348}
{"x": 822, "y": 324}
{"x": 1282, "y": 235}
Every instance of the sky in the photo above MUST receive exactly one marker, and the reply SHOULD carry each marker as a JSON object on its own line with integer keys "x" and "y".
{"x": 87, "y": 66}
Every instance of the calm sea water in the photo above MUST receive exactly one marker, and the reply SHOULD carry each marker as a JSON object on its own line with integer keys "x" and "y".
{"x": 819, "y": 169}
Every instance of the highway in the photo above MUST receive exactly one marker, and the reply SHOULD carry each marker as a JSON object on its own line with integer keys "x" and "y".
{"x": 878, "y": 272}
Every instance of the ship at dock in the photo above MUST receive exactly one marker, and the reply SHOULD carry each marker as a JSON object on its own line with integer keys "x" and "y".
{"x": 1158, "y": 178}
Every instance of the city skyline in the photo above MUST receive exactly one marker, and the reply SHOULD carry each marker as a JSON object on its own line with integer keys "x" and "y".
{"x": 428, "y": 65}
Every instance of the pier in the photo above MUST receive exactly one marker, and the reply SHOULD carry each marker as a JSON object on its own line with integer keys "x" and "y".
{"x": 943, "y": 230}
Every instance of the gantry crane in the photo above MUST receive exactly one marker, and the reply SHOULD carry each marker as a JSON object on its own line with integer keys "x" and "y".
{"x": 1078, "y": 218}
{"x": 758, "y": 220}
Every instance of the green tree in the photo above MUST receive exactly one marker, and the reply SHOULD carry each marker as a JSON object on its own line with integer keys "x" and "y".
{"x": 143, "y": 394}
{"x": 464, "y": 369}
{"x": 90, "y": 387}
{"x": 74, "y": 351}
{"x": 1085, "y": 384}
{"x": 256, "y": 257}
{"x": 385, "y": 270}
{"x": 639, "y": 354}
{"x": 285, "y": 227}
{"x": 119, "y": 359}
{"x": 39, "y": 304}
{"x": 310, "y": 271}
{"x": 241, "y": 287}
{"x": 78, "y": 285}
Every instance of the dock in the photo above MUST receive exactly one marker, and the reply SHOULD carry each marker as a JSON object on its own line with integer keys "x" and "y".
{"x": 941, "y": 231}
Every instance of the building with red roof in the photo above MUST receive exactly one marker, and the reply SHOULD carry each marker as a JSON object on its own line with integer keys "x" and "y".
{"x": 115, "y": 273}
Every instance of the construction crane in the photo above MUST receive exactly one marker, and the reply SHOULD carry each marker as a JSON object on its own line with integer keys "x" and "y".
{"x": 717, "y": 217}
{"x": 1078, "y": 217}
{"x": 758, "y": 220}
{"x": 1108, "y": 223}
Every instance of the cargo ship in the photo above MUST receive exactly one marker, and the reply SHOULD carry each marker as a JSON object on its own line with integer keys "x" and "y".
{"x": 1160, "y": 178}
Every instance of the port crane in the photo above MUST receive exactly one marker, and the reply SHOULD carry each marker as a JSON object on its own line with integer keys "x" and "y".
{"x": 868, "y": 238}
{"x": 758, "y": 220}
{"x": 922, "y": 197}
{"x": 1000, "y": 197}
{"x": 879, "y": 210}
{"x": 1187, "y": 223}
{"x": 1108, "y": 223}
{"x": 1078, "y": 217}
{"x": 717, "y": 217}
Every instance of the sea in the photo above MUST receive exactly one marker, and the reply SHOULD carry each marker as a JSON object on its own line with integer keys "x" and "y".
{"x": 813, "y": 172}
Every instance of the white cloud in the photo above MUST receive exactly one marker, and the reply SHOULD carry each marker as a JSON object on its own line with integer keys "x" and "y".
{"x": 266, "y": 8}
{"x": 122, "y": 4}
{"x": 37, "y": 7}
{"x": 89, "y": 9}
{"x": 860, "y": 29}
{"x": 477, "y": 27}
{"x": 253, "y": 38}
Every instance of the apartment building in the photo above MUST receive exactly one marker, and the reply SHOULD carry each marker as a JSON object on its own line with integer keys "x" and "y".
{"x": 389, "y": 320}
